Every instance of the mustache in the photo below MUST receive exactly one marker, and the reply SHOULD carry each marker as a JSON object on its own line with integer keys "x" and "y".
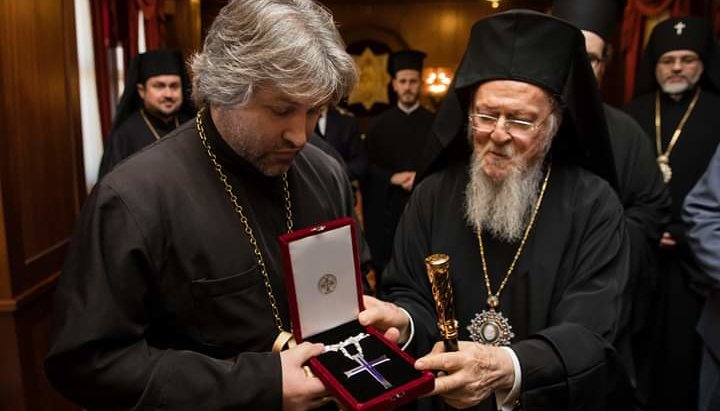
{"x": 505, "y": 151}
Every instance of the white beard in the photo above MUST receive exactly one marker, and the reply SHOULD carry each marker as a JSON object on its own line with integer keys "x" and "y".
{"x": 675, "y": 88}
{"x": 501, "y": 207}
{"x": 680, "y": 87}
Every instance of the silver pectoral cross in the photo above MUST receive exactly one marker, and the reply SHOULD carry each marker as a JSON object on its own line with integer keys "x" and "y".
{"x": 370, "y": 368}
{"x": 679, "y": 27}
{"x": 358, "y": 357}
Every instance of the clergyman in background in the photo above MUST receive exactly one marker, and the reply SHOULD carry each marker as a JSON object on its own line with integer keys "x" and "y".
{"x": 677, "y": 104}
{"x": 395, "y": 140}
{"x": 156, "y": 100}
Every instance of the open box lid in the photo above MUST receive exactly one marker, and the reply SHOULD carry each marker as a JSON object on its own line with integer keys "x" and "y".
{"x": 322, "y": 277}
{"x": 323, "y": 281}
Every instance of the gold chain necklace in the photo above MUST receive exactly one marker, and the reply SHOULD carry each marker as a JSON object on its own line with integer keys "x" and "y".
{"x": 492, "y": 327}
{"x": 663, "y": 158}
{"x": 284, "y": 335}
{"x": 151, "y": 127}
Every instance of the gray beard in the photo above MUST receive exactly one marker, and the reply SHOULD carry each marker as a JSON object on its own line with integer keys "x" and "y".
{"x": 243, "y": 141}
{"x": 675, "y": 88}
{"x": 501, "y": 208}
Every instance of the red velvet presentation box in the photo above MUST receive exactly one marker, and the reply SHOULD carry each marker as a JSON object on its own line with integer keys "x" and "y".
{"x": 362, "y": 369}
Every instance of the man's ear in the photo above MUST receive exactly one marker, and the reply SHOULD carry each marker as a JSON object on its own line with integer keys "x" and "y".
{"x": 141, "y": 90}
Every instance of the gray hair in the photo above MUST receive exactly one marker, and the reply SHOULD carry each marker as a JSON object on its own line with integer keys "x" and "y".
{"x": 291, "y": 46}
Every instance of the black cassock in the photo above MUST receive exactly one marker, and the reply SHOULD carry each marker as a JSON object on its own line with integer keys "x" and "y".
{"x": 562, "y": 300}
{"x": 342, "y": 131}
{"x": 132, "y": 136}
{"x": 395, "y": 141}
{"x": 646, "y": 202}
{"x": 160, "y": 303}
{"x": 678, "y": 298}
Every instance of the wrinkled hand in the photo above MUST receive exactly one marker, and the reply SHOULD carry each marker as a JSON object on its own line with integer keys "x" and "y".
{"x": 469, "y": 375}
{"x": 667, "y": 242}
{"x": 386, "y": 317}
{"x": 404, "y": 179}
{"x": 301, "y": 392}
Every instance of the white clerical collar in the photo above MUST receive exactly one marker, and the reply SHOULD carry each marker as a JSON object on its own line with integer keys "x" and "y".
{"x": 322, "y": 123}
{"x": 409, "y": 110}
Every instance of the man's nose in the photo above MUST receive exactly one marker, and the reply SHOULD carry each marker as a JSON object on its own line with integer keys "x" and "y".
{"x": 296, "y": 132}
{"x": 499, "y": 134}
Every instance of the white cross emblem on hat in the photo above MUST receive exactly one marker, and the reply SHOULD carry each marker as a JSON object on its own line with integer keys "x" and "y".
{"x": 679, "y": 27}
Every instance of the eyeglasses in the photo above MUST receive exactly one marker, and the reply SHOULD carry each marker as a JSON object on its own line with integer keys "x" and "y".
{"x": 485, "y": 123}
{"x": 684, "y": 60}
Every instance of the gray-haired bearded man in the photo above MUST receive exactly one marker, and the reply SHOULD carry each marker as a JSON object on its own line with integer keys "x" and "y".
{"x": 677, "y": 96}
{"x": 172, "y": 296}
{"x": 538, "y": 259}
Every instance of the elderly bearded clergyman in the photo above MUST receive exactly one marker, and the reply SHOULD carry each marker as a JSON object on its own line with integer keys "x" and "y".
{"x": 531, "y": 223}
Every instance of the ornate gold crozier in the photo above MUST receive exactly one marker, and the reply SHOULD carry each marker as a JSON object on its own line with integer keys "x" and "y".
{"x": 438, "y": 270}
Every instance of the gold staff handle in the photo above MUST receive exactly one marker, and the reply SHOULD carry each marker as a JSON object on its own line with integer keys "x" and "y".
{"x": 438, "y": 270}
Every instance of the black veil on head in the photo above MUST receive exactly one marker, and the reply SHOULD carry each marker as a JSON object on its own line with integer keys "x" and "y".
{"x": 531, "y": 47}
{"x": 680, "y": 33}
{"x": 146, "y": 65}
{"x": 597, "y": 16}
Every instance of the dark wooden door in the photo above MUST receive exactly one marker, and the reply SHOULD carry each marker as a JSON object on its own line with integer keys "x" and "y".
{"x": 41, "y": 187}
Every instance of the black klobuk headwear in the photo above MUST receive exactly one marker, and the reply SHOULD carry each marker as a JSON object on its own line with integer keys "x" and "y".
{"x": 406, "y": 60}
{"x": 597, "y": 16}
{"x": 680, "y": 33}
{"x": 146, "y": 65}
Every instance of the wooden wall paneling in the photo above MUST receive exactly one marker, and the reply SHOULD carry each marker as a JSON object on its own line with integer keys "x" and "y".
{"x": 42, "y": 167}
{"x": 183, "y": 27}
{"x": 11, "y": 382}
{"x": 41, "y": 187}
{"x": 5, "y": 287}
{"x": 8, "y": 72}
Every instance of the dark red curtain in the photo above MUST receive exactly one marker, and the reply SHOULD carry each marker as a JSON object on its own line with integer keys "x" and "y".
{"x": 637, "y": 13}
{"x": 116, "y": 23}
{"x": 154, "y": 24}
{"x": 104, "y": 37}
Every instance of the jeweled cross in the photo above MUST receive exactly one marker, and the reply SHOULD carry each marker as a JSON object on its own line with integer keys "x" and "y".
{"x": 358, "y": 357}
{"x": 679, "y": 27}
{"x": 369, "y": 366}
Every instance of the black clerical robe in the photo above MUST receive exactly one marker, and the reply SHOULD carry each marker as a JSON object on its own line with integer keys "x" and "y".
{"x": 563, "y": 299}
{"x": 342, "y": 131}
{"x": 395, "y": 141}
{"x": 161, "y": 303}
{"x": 132, "y": 136}
{"x": 646, "y": 202}
{"x": 676, "y": 345}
